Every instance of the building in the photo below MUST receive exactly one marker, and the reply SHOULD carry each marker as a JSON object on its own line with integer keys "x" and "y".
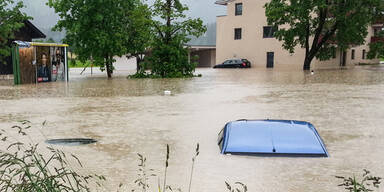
{"x": 204, "y": 47}
{"x": 26, "y": 33}
{"x": 244, "y": 33}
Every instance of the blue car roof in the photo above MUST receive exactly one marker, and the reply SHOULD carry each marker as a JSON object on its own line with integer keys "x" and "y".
{"x": 272, "y": 137}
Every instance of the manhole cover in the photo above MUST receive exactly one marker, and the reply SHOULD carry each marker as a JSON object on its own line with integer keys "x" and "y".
{"x": 71, "y": 142}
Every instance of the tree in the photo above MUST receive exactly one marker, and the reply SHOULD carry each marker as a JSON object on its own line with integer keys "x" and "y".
{"x": 138, "y": 32}
{"x": 376, "y": 49}
{"x": 94, "y": 28}
{"x": 11, "y": 20}
{"x": 320, "y": 26}
{"x": 169, "y": 56}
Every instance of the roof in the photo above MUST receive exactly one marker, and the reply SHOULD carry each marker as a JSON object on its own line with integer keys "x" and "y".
{"x": 272, "y": 137}
{"x": 223, "y": 2}
{"x": 38, "y": 44}
{"x": 207, "y": 40}
{"x": 33, "y": 30}
{"x": 201, "y": 47}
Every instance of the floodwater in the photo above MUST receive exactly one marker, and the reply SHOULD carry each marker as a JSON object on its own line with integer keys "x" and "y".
{"x": 130, "y": 116}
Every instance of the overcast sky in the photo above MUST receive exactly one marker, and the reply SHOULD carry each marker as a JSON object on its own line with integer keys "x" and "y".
{"x": 205, "y": 9}
{"x": 45, "y": 17}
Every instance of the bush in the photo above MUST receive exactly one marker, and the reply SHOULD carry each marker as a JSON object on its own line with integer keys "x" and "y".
{"x": 171, "y": 61}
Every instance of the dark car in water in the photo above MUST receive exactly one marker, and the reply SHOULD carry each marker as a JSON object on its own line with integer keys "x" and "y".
{"x": 234, "y": 63}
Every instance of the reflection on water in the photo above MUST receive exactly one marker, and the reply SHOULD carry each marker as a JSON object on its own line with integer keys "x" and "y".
{"x": 129, "y": 116}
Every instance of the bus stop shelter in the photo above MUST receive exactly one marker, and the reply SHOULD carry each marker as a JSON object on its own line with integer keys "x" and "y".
{"x": 35, "y": 62}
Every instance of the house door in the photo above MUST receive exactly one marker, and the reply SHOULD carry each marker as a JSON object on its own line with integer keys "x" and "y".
{"x": 343, "y": 58}
{"x": 270, "y": 59}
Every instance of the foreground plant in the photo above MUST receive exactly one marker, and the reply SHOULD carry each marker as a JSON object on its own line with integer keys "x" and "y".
{"x": 236, "y": 187}
{"x": 24, "y": 168}
{"x": 352, "y": 184}
{"x": 145, "y": 174}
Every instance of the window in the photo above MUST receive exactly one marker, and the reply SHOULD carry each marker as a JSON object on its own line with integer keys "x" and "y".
{"x": 334, "y": 53}
{"x": 268, "y": 31}
{"x": 363, "y": 57}
{"x": 238, "y": 9}
{"x": 238, "y": 61}
{"x": 353, "y": 54}
{"x": 376, "y": 31}
{"x": 237, "y": 33}
{"x": 270, "y": 59}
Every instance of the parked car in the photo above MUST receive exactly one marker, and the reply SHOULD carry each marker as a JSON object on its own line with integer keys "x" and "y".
{"x": 234, "y": 63}
{"x": 271, "y": 138}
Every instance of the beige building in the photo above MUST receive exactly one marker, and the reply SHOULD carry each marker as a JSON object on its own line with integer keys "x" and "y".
{"x": 244, "y": 33}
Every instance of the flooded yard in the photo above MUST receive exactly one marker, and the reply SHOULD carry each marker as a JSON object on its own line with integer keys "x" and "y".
{"x": 130, "y": 116}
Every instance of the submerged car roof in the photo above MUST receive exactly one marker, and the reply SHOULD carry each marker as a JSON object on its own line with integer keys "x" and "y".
{"x": 272, "y": 137}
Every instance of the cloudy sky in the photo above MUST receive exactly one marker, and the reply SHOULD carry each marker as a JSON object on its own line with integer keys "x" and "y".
{"x": 45, "y": 17}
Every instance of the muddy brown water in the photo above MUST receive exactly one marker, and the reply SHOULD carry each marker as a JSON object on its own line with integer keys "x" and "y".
{"x": 128, "y": 116}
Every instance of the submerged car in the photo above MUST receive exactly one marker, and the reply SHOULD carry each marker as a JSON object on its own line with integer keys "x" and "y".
{"x": 271, "y": 138}
{"x": 234, "y": 63}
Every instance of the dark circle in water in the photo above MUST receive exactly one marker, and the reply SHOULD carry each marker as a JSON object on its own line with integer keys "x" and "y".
{"x": 71, "y": 141}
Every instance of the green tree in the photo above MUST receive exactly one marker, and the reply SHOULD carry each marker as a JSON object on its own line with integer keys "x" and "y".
{"x": 376, "y": 49}
{"x": 95, "y": 28}
{"x": 138, "y": 32}
{"x": 11, "y": 20}
{"x": 169, "y": 56}
{"x": 320, "y": 26}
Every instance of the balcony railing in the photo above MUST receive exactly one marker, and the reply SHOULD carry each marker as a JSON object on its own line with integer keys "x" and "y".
{"x": 379, "y": 21}
{"x": 328, "y": 41}
{"x": 377, "y": 39}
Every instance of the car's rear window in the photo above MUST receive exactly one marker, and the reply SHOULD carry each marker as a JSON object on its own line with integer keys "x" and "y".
{"x": 237, "y": 61}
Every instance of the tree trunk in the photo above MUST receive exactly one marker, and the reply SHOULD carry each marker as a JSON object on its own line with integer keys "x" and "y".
{"x": 108, "y": 66}
{"x": 307, "y": 62}
{"x": 138, "y": 61}
{"x": 109, "y": 73}
{"x": 168, "y": 24}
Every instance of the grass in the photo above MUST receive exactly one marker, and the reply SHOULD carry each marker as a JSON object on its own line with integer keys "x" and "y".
{"x": 236, "y": 187}
{"x": 78, "y": 64}
{"x": 146, "y": 174}
{"x": 364, "y": 184}
{"x": 24, "y": 168}
{"x": 364, "y": 64}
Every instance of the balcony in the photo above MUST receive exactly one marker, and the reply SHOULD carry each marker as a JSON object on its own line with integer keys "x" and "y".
{"x": 328, "y": 41}
{"x": 379, "y": 22}
{"x": 377, "y": 39}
